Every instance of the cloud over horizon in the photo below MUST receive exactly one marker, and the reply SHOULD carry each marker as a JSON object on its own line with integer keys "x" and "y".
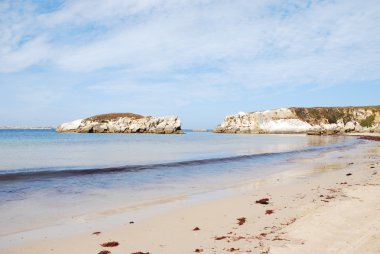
{"x": 153, "y": 56}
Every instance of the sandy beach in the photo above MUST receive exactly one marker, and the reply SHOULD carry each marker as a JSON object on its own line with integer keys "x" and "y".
{"x": 329, "y": 204}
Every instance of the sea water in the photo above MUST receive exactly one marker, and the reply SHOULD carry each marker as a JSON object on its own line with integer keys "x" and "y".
{"x": 49, "y": 178}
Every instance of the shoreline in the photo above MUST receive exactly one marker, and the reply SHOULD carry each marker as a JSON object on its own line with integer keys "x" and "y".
{"x": 295, "y": 198}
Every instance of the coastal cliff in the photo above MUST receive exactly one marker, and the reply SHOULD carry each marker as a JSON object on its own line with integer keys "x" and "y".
{"x": 123, "y": 123}
{"x": 315, "y": 121}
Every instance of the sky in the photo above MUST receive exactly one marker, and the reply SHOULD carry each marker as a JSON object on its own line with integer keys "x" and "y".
{"x": 200, "y": 60}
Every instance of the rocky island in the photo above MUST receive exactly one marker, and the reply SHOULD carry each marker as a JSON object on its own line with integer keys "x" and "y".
{"x": 123, "y": 123}
{"x": 314, "y": 121}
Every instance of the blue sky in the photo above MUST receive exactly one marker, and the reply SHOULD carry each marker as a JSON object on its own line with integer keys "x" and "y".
{"x": 200, "y": 60}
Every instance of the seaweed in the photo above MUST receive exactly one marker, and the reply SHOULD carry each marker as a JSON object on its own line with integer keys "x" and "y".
{"x": 373, "y": 138}
{"x": 110, "y": 244}
{"x": 269, "y": 211}
{"x": 263, "y": 201}
{"x": 196, "y": 229}
{"x": 241, "y": 220}
{"x": 104, "y": 252}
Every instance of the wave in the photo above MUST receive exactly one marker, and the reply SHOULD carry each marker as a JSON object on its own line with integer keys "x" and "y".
{"x": 49, "y": 173}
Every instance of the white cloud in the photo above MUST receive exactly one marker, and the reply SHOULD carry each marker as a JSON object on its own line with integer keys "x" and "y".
{"x": 291, "y": 38}
{"x": 30, "y": 53}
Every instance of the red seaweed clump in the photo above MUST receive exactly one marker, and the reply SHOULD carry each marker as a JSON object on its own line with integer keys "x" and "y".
{"x": 261, "y": 236}
{"x": 96, "y": 233}
{"x": 263, "y": 201}
{"x": 241, "y": 220}
{"x": 140, "y": 252}
{"x": 110, "y": 244}
{"x": 198, "y": 250}
{"x": 196, "y": 229}
{"x": 220, "y": 238}
{"x": 269, "y": 211}
{"x": 104, "y": 252}
{"x": 373, "y": 138}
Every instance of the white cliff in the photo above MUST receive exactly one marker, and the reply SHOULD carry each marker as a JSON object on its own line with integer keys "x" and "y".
{"x": 70, "y": 126}
{"x": 123, "y": 123}
{"x": 304, "y": 120}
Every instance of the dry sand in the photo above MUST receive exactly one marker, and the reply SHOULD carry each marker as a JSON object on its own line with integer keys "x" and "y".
{"x": 329, "y": 204}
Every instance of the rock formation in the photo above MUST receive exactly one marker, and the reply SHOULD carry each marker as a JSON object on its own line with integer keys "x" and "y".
{"x": 315, "y": 121}
{"x": 123, "y": 123}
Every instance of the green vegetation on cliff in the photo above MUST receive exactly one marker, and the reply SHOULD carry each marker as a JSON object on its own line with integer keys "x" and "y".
{"x": 112, "y": 116}
{"x": 368, "y": 121}
{"x": 332, "y": 115}
{"x": 317, "y": 115}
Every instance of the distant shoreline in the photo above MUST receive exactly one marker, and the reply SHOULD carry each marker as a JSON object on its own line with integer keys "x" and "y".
{"x": 25, "y": 128}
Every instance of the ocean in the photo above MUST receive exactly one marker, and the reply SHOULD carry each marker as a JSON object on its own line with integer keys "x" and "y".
{"x": 49, "y": 178}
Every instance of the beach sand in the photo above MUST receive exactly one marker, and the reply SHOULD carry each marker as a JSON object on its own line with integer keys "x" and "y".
{"x": 329, "y": 204}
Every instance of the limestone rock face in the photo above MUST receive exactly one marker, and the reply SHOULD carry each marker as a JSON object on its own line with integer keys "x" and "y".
{"x": 270, "y": 121}
{"x": 314, "y": 121}
{"x": 71, "y": 126}
{"x": 124, "y": 123}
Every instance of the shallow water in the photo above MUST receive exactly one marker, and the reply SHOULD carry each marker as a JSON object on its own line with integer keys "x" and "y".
{"x": 46, "y": 149}
{"x": 49, "y": 178}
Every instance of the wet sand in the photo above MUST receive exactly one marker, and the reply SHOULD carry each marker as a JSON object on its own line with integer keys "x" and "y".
{"x": 329, "y": 204}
